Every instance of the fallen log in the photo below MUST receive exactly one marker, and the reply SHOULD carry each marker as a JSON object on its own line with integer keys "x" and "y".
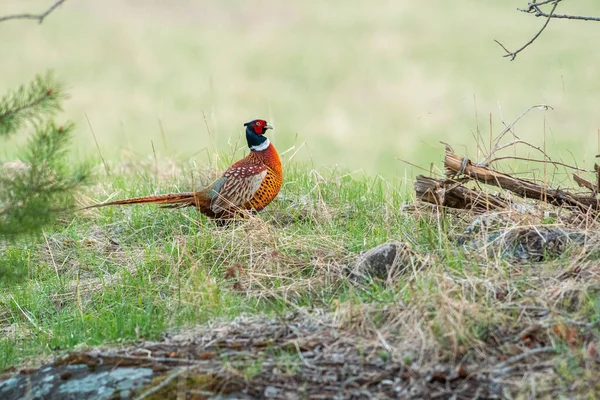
{"x": 451, "y": 193}
{"x": 456, "y": 166}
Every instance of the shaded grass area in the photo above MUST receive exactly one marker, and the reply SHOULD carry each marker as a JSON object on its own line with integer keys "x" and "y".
{"x": 120, "y": 275}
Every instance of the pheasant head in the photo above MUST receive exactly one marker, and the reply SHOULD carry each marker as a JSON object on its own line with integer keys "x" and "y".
{"x": 255, "y": 131}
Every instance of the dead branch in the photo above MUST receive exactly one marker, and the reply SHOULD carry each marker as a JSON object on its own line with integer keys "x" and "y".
{"x": 456, "y": 165}
{"x": 556, "y": 163}
{"x": 39, "y": 17}
{"x": 582, "y": 182}
{"x": 597, "y": 169}
{"x": 505, "y": 366}
{"x": 513, "y": 54}
{"x": 509, "y": 128}
{"x": 451, "y": 193}
{"x": 535, "y": 9}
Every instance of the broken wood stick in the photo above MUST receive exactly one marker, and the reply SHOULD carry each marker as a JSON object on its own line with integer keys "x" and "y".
{"x": 456, "y": 165}
{"x": 582, "y": 182}
{"x": 597, "y": 170}
{"x": 451, "y": 193}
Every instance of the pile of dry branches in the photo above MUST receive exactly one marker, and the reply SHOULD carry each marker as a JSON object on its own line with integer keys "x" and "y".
{"x": 451, "y": 190}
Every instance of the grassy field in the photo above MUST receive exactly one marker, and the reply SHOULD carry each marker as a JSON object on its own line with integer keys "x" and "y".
{"x": 120, "y": 275}
{"x": 361, "y": 85}
{"x": 351, "y": 88}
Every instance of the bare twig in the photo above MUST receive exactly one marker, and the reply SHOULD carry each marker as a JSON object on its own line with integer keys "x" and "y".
{"x": 51, "y": 255}
{"x": 503, "y": 367}
{"x": 97, "y": 145}
{"x": 533, "y": 4}
{"x": 513, "y": 54}
{"x": 162, "y": 134}
{"x": 534, "y": 8}
{"x": 155, "y": 159}
{"x": 26, "y": 314}
{"x": 39, "y": 17}
{"x": 509, "y": 128}
{"x": 417, "y": 166}
{"x": 519, "y": 141}
{"x": 558, "y": 163}
{"x": 597, "y": 170}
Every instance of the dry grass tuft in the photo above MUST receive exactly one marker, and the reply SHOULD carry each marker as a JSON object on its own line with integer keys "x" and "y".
{"x": 262, "y": 261}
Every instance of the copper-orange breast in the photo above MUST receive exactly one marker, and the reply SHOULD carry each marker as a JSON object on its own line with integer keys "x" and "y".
{"x": 272, "y": 182}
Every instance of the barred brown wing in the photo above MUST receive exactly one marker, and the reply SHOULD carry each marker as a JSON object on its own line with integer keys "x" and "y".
{"x": 243, "y": 181}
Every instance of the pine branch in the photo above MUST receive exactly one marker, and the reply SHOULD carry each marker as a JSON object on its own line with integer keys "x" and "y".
{"x": 29, "y": 104}
{"x": 48, "y": 144}
{"x": 42, "y": 182}
{"x": 34, "y": 189}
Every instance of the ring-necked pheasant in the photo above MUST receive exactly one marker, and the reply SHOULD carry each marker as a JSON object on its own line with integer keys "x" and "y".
{"x": 249, "y": 184}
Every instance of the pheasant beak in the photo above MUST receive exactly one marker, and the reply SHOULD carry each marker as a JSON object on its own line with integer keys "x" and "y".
{"x": 268, "y": 127}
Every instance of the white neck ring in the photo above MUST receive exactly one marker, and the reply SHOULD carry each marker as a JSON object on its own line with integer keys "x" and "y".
{"x": 263, "y": 146}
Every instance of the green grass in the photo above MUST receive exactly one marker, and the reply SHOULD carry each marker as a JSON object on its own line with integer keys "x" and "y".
{"x": 124, "y": 274}
{"x": 168, "y": 268}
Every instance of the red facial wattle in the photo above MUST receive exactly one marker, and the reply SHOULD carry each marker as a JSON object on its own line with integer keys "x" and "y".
{"x": 258, "y": 127}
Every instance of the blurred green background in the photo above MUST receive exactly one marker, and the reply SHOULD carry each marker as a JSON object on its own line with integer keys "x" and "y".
{"x": 362, "y": 83}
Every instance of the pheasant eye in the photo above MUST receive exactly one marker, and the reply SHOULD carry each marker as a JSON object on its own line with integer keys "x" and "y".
{"x": 257, "y": 123}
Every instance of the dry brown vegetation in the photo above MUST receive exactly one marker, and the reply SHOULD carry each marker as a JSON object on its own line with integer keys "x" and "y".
{"x": 494, "y": 289}
{"x": 500, "y": 303}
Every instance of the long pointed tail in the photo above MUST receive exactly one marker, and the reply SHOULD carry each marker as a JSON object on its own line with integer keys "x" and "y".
{"x": 174, "y": 200}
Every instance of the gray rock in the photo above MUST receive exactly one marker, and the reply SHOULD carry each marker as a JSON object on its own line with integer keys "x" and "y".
{"x": 76, "y": 382}
{"x": 271, "y": 392}
{"x": 386, "y": 262}
{"x": 524, "y": 244}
